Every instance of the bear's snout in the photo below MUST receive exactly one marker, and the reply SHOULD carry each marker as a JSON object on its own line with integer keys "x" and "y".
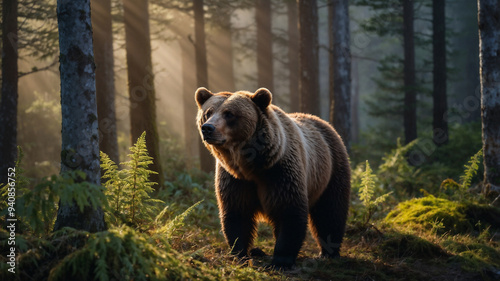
{"x": 207, "y": 130}
{"x": 211, "y": 135}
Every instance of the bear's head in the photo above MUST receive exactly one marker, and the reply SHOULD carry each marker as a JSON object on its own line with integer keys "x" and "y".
{"x": 228, "y": 119}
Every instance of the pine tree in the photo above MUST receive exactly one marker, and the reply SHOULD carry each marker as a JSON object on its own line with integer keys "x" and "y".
{"x": 80, "y": 139}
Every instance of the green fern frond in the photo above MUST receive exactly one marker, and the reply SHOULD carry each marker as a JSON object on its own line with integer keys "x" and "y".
{"x": 170, "y": 227}
{"x": 367, "y": 185}
{"x": 470, "y": 170}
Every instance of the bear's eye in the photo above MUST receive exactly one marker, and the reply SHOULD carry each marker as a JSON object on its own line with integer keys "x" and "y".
{"x": 208, "y": 113}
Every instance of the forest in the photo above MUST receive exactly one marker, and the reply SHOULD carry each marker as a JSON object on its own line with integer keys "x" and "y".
{"x": 104, "y": 175}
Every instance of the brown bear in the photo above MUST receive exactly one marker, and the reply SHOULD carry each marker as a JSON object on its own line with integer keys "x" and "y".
{"x": 287, "y": 169}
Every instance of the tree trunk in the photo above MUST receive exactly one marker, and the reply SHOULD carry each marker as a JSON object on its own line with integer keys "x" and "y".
{"x": 191, "y": 136}
{"x": 308, "y": 57}
{"x": 141, "y": 80}
{"x": 80, "y": 137}
{"x": 355, "y": 102}
{"x": 410, "y": 100}
{"x": 207, "y": 162}
{"x": 105, "y": 80}
{"x": 340, "y": 69}
{"x": 264, "y": 44}
{"x": 8, "y": 102}
{"x": 222, "y": 54}
{"x": 293, "y": 55}
{"x": 489, "y": 59}
{"x": 440, "y": 123}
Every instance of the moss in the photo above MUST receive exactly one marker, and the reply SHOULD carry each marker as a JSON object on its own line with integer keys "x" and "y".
{"x": 472, "y": 256}
{"x": 444, "y": 215}
{"x": 429, "y": 211}
{"x": 407, "y": 245}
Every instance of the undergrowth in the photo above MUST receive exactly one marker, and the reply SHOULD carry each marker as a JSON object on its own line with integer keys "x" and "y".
{"x": 401, "y": 222}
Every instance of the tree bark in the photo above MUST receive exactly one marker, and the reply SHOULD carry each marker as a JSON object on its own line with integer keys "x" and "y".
{"x": 222, "y": 54}
{"x": 308, "y": 57}
{"x": 80, "y": 137}
{"x": 191, "y": 136}
{"x": 264, "y": 44}
{"x": 355, "y": 102}
{"x": 340, "y": 69}
{"x": 440, "y": 123}
{"x": 489, "y": 59}
{"x": 8, "y": 101}
{"x": 105, "y": 80}
{"x": 293, "y": 55}
{"x": 207, "y": 162}
{"x": 141, "y": 80}
{"x": 410, "y": 100}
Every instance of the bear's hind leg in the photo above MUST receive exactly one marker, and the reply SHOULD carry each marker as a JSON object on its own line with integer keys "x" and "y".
{"x": 329, "y": 215}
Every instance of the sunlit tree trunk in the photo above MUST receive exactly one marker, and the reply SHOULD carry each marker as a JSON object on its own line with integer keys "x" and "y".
{"x": 410, "y": 100}
{"x": 207, "y": 162}
{"x": 192, "y": 137}
{"x": 141, "y": 80}
{"x": 105, "y": 81}
{"x": 308, "y": 57}
{"x": 293, "y": 55}
{"x": 489, "y": 59}
{"x": 8, "y": 102}
{"x": 264, "y": 44}
{"x": 440, "y": 123}
{"x": 80, "y": 137}
{"x": 222, "y": 54}
{"x": 340, "y": 69}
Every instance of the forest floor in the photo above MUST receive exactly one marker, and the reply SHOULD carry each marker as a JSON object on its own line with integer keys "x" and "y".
{"x": 375, "y": 253}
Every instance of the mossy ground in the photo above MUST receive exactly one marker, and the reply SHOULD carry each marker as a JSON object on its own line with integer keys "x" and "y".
{"x": 407, "y": 245}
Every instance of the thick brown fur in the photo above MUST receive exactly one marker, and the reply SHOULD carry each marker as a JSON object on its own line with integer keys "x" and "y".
{"x": 289, "y": 169}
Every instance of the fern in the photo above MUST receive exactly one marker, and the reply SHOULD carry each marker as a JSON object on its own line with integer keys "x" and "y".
{"x": 366, "y": 194}
{"x": 459, "y": 190}
{"x": 396, "y": 173}
{"x": 129, "y": 190}
{"x": 172, "y": 225}
{"x": 38, "y": 207}
{"x": 470, "y": 171}
{"x": 21, "y": 182}
{"x": 125, "y": 254}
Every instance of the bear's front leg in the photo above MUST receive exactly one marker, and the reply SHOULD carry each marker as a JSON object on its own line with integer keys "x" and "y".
{"x": 238, "y": 204}
{"x": 290, "y": 228}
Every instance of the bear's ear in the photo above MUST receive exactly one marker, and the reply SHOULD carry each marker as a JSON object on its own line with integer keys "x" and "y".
{"x": 262, "y": 98}
{"x": 202, "y": 95}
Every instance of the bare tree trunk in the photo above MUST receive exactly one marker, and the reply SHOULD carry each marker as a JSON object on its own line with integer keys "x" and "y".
{"x": 80, "y": 137}
{"x": 308, "y": 57}
{"x": 105, "y": 80}
{"x": 8, "y": 102}
{"x": 222, "y": 54}
{"x": 489, "y": 59}
{"x": 440, "y": 123}
{"x": 189, "y": 87}
{"x": 340, "y": 69}
{"x": 355, "y": 102}
{"x": 293, "y": 55}
{"x": 410, "y": 100}
{"x": 264, "y": 44}
{"x": 141, "y": 80}
{"x": 207, "y": 162}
